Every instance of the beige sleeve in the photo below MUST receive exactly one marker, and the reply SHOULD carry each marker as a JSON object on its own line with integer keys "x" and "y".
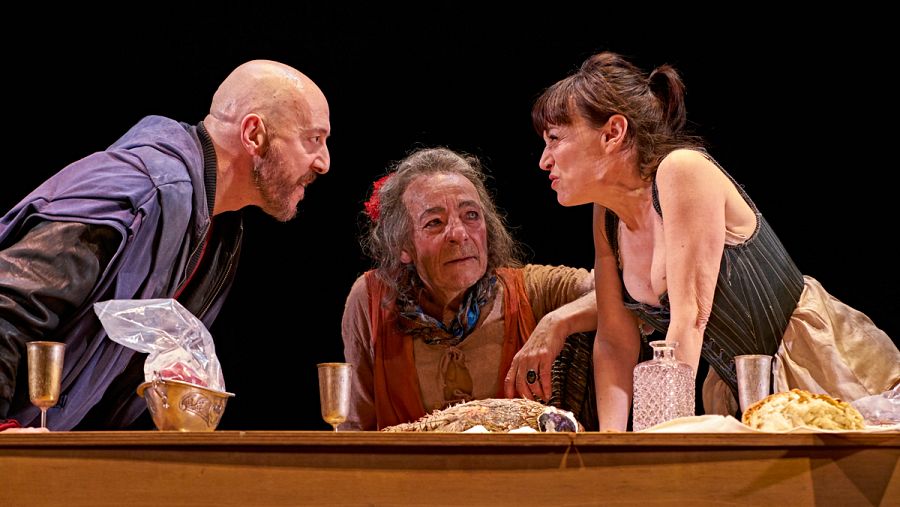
{"x": 359, "y": 352}
{"x": 549, "y": 287}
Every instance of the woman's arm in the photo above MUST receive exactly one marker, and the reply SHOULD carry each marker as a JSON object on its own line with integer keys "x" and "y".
{"x": 692, "y": 194}
{"x": 549, "y": 336}
{"x": 617, "y": 344}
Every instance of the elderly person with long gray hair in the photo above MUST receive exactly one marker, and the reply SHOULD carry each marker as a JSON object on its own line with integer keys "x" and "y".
{"x": 449, "y": 313}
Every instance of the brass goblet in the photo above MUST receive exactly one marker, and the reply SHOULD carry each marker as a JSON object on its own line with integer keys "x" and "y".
{"x": 334, "y": 392}
{"x": 45, "y": 364}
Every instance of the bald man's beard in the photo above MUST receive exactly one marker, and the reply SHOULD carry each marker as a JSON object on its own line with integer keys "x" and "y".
{"x": 271, "y": 177}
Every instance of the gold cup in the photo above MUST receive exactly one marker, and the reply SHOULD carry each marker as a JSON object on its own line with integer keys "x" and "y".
{"x": 334, "y": 392}
{"x": 180, "y": 406}
{"x": 45, "y": 365}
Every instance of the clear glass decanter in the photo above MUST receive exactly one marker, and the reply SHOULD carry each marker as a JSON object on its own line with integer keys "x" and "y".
{"x": 663, "y": 388}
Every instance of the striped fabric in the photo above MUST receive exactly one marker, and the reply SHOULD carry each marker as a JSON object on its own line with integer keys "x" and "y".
{"x": 757, "y": 290}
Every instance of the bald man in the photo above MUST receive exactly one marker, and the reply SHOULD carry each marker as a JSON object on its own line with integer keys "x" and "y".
{"x": 156, "y": 215}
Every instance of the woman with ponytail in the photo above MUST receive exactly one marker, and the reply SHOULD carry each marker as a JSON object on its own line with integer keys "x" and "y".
{"x": 681, "y": 248}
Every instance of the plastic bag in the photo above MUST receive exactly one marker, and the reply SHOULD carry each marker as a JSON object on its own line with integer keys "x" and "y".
{"x": 881, "y": 408}
{"x": 179, "y": 345}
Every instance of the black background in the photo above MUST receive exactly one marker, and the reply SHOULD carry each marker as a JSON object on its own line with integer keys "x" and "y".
{"x": 801, "y": 113}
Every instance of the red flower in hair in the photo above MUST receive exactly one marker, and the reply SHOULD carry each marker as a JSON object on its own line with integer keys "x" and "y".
{"x": 373, "y": 205}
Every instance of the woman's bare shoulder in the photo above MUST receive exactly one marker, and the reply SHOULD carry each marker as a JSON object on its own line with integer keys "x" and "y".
{"x": 689, "y": 167}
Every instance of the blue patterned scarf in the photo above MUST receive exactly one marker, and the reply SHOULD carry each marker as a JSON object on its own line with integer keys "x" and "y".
{"x": 417, "y": 322}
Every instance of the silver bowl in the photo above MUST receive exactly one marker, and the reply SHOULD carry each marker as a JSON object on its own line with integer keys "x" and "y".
{"x": 180, "y": 406}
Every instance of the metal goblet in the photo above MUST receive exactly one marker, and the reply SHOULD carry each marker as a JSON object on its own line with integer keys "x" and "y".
{"x": 334, "y": 392}
{"x": 754, "y": 376}
{"x": 45, "y": 365}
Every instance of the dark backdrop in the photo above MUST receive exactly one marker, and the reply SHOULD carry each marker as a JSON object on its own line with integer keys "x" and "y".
{"x": 799, "y": 113}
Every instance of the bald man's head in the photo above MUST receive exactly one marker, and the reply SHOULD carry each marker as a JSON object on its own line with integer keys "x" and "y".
{"x": 269, "y": 124}
{"x": 279, "y": 93}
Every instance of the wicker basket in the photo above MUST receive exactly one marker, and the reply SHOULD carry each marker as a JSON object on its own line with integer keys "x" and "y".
{"x": 572, "y": 380}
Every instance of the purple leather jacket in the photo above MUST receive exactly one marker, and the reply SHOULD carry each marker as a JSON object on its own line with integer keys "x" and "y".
{"x": 125, "y": 223}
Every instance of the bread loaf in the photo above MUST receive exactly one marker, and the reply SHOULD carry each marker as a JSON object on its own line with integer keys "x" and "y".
{"x": 787, "y": 410}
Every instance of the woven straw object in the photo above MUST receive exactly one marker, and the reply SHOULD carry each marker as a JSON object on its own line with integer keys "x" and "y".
{"x": 572, "y": 389}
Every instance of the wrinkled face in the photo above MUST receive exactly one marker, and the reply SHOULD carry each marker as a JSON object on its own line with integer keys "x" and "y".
{"x": 574, "y": 157}
{"x": 295, "y": 156}
{"x": 449, "y": 236}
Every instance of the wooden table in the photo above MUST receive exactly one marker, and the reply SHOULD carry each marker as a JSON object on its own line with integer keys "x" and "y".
{"x": 357, "y": 468}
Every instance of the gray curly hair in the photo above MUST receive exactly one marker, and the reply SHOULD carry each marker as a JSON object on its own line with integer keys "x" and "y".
{"x": 390, "y": 231}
